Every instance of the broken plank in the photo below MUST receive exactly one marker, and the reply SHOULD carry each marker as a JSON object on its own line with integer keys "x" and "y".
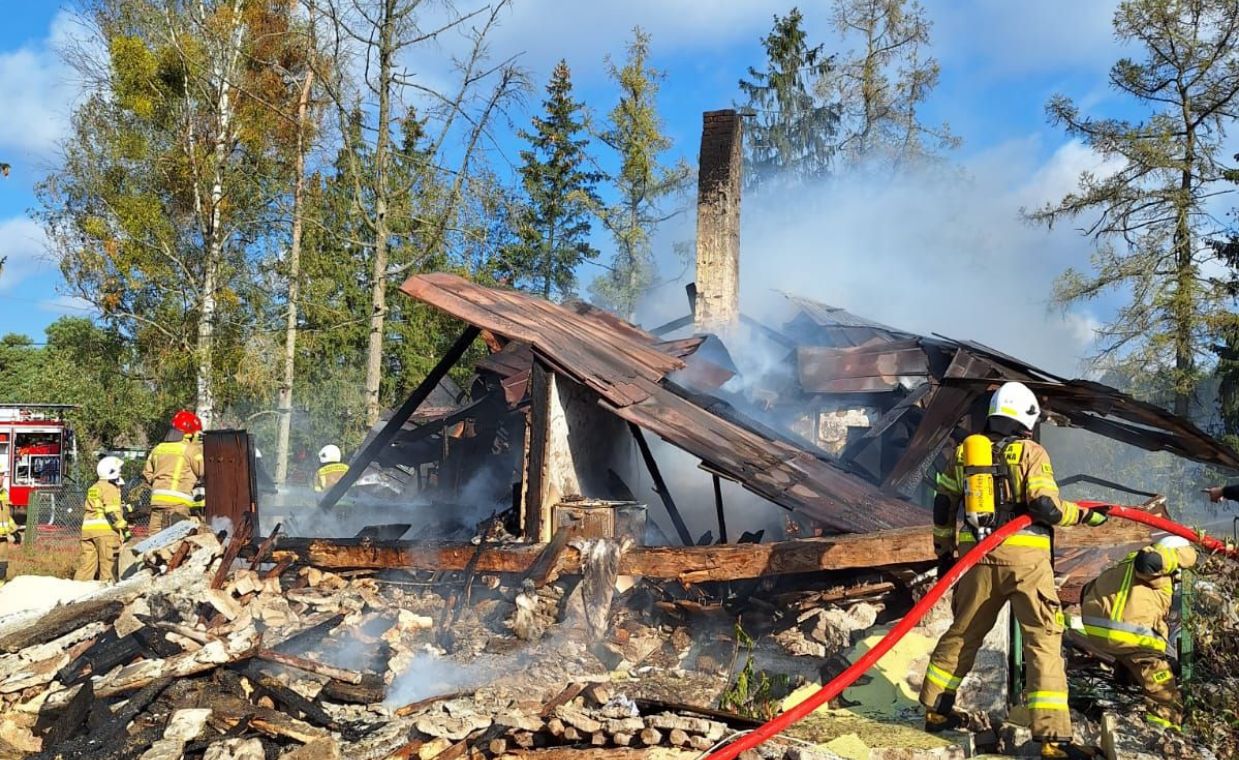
{"x": 240, "y": 538}
{"x": 309, "y": 666}
{"x": 59, "y": 621}
{"x": 689, "y": 564}
{"x": 421, "y": 704}
{"x": 265, "y": 547}
{"x": 371, "y": 690}
{"x": 290, "y": 699}
{"x": 230, "y": 711}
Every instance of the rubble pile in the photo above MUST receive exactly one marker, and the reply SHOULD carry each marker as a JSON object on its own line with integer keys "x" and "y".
{"x": 221, "y": 647}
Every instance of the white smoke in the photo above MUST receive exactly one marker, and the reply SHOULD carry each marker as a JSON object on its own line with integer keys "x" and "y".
{"x": 938, "y": 250}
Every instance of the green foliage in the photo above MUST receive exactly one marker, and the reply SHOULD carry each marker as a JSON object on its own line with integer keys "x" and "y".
{"x": 881, "y": 86}
{"x": 754, "y": 693}
{"x": 643, "y": 183}
{"x": 1212, "y": 695}
{"x": 1150, "y": 215}
{"x": 793, "y": 132}
{"x": 553, "y": 227}
{"x": 84, "y": 364}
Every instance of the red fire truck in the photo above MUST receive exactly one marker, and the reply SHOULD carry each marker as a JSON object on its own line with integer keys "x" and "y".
{"x": 36, "y": 446}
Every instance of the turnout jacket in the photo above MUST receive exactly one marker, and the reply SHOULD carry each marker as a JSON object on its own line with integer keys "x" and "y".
{"x": 1127, "y": 606}
{"x": 172, "y": 469}
{"x": 1035, "y": 492}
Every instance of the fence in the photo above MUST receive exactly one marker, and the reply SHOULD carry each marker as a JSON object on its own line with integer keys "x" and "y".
{"x": 54, "y": 519}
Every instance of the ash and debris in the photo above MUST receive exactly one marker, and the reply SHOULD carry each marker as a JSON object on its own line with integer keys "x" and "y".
{"x": 297, "y": 662}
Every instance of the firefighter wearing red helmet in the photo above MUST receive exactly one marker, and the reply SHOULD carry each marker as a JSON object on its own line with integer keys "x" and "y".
{"x": 174, "y": 471}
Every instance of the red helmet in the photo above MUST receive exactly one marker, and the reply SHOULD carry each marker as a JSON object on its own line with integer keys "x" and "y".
{"x": 187, "y": 422}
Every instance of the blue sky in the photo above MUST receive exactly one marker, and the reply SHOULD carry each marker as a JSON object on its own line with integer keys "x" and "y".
{"x": 1000, "y": 63}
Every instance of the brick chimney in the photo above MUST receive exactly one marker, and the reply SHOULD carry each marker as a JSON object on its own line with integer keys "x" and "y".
{"x": 718, "y": 222}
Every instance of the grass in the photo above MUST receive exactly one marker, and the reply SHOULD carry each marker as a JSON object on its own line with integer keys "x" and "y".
{"x": 56, "y": 559}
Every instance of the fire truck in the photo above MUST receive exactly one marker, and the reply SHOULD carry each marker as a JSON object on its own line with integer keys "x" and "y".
{"x": 36, "y": 447}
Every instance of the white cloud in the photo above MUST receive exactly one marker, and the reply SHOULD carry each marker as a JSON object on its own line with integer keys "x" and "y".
{"x": 36, "y": 92}
{"x": 23, "y": 244}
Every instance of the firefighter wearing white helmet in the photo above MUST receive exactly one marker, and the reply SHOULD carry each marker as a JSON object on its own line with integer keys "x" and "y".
{"x": 103, "y": 525}
{"x": 996, "y": 476}
{"x": 1123, "y": 614}
{"x": 331, "y": 469}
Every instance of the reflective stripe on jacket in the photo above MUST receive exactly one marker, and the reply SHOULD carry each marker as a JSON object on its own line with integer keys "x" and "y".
{"x": 172, "y": 469}
{"x": 1031, "y": 475}
{"x": 103, "y": 511}
{"x": 328, "y": 475}
{"x": 1129, "y": 610}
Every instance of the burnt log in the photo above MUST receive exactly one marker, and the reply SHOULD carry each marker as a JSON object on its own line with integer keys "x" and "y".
{"x": 371, "y": 690}
{"x": 59, "y": 621}
{"x": 688, "y": 564}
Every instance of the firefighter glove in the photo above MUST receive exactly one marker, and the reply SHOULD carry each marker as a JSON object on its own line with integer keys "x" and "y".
{"x": 1149, "y": 563}
{"x": 1095, "y": 517}
{"x": 945, "y": 563}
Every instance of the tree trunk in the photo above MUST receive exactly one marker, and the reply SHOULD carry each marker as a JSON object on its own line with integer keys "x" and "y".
{"x": 294, "y": 291}
{"x": 378, "y": 293}
{"x": 1183, "y": 309}
{"x": 225, "y": 66}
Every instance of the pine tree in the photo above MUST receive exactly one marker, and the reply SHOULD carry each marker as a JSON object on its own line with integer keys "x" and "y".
{"x": 793, "y": 132}
{"x": 881, "y": 86}
{"x": 553, "y": 228}
{"x": 635, "y": 132}
{"x": 1150, "y": 216}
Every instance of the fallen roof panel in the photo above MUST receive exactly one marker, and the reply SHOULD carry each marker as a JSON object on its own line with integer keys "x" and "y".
{"x": 625, "y": 367}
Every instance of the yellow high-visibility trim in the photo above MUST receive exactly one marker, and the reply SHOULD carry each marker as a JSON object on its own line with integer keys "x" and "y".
{"x": 941, "y": 678}
{"x": 944, "y": 532}
{"x": 1126, "y": 638}
{"x": 1047, "y": 700}
{"x": 1035, "y": 542}
{"x": 1120, "y": 600}
{"x": 1162, "y": 676}
{"x": 1158, "y": 720}
{"x": 1043, "y": 483}
{"x": 947, "y": 485}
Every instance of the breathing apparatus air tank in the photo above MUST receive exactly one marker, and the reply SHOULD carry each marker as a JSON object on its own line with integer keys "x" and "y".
{"x": 979, "y": 482}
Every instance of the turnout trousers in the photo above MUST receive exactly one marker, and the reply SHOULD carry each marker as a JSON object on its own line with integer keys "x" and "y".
{"x": 979, "y": 598}
{"x": 163, "y": 515}
{"x": 1152, "y": 672}
{"x": 97, "y": 558}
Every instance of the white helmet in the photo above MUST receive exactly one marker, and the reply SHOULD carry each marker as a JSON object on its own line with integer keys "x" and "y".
{"x": 329, "y": 453}
{"x": 109, "y": 468}
{"x": 1015, "y": 402}
{"x": 1172, "y": 542}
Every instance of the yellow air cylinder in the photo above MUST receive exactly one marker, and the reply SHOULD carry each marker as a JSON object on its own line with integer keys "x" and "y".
{"x": 978, "y": 480}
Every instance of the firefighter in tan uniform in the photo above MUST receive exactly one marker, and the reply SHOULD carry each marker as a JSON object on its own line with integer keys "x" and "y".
{"x": 174, "y": 471}
{"x": 103, "y": 525}
{"x": 1018, "y": 571}
{"x": 8, "y": 526}
{"x": 331, "y": 469}
{"x": 1123, "y": 614}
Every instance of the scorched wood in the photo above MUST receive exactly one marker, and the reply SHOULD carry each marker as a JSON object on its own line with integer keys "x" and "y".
{"x": 691, "y": 564}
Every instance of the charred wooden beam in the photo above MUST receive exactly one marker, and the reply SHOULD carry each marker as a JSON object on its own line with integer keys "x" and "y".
{"x": 309, "y": 666}
{"x": 694, "y": 564}
{"x": 58, "y": 622}
{"x": 660, "y": 486}
{"x": 384, "y": 437}
{"x": 718, "y": 508}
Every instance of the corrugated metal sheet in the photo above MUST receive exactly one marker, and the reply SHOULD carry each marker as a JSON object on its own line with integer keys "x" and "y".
{"x": 627, "y": 370}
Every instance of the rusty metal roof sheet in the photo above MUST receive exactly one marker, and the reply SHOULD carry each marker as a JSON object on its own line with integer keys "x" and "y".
{"x": 628, "y": 371}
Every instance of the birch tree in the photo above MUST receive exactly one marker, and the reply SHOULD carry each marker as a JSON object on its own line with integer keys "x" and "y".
{"x": 1150, "y": 216}
{"x": 378, "y": 37}
{"x": 154, "y": 204}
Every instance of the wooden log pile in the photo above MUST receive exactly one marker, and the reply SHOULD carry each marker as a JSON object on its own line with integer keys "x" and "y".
{"x": 218, "y": 648}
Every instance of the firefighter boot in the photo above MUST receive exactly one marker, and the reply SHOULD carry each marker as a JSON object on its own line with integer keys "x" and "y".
{"x": 942, "y": 716}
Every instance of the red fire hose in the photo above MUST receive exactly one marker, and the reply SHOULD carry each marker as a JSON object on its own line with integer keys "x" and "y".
{"x": 845, "y": 679}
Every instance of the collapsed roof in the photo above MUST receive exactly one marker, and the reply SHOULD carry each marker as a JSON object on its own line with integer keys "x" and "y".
{"x": 633, "y": 376}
